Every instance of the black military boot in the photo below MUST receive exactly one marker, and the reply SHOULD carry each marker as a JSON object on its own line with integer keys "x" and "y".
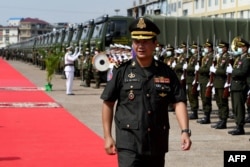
{"x": 86, "y": 84}
{"x": 222, "y": 125}
{"x": 239, "y": 130}
{"x": 205, "y": 120}
{"x": 216, "y": 124}
{"x": 247, "y": 120}
{"x": 193, "y": 115}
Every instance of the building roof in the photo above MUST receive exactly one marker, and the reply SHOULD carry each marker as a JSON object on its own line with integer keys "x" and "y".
{"x": 34, "y": 20}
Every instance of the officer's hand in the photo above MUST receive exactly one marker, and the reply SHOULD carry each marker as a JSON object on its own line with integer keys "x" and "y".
{"x": 229, "y": 69}
{"x": 110, "y": 146}
{"x": 185, "y": 142}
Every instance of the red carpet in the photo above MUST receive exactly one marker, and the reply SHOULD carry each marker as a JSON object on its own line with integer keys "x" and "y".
{"x": 43, "y": 136}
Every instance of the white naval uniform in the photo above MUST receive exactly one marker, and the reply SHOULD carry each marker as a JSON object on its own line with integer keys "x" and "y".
{"x": 69, "y": 70}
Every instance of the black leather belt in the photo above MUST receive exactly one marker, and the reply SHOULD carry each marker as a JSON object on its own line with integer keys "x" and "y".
{"x": 69, "y": 65}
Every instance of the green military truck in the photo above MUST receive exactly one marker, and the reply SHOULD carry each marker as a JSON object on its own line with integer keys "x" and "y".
{"x": 177, "y": 29}
{"x": 109, "y": 30}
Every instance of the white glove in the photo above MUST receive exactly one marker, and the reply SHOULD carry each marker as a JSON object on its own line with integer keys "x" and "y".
{"x": 197, "y": 67}
{"x": 193, "y": 82}
{"x": 209, "y": 84}
{"x": 184, "y": 66}
{"x": 229, "y": 69}
{"x": 212, "y": 69}
{"x": 248, "y": 93}
{"x": 226, "y": 85}
{"x": 182, "y": 77}
{"x": 174, "y": 64}
{"x": 213, "y": 90}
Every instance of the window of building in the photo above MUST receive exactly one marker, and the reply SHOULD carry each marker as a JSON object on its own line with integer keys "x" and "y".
{"x": 224, "y": 1}
{"x": 202, "y": 3}
{"x": 185, "y": 12}
{"x": 209, "y": 3}
{"x": 196, "y": 4}
{"x": 7, "y": 31}
{"x": 241, "y": 14}
{"x": 179, "y": 4}
{"x": 216, "y": 3}
{"x": 232, "y": 0}
{"x": 232, "y": 14}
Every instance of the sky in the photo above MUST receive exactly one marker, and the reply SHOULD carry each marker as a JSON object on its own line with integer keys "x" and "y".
{"x": 53, "y": 11}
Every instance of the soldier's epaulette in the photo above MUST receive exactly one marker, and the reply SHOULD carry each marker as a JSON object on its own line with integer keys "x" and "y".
{"x": 119, "y": 64}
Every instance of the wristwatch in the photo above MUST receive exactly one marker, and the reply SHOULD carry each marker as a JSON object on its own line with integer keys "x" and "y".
{"x": 188, "y": 131}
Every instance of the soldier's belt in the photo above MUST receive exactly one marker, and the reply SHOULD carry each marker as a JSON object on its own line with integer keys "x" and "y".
{"x": 68, "y": 65}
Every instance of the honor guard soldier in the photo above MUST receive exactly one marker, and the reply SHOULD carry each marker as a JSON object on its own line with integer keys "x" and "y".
{"x": 220, "y": 79}
{"x": 192, "y": 80}
{"x": 87, "y": 68}
{"x": 169, "y": 56}
{"x": 204, "y": 74}
{"x": 239, "y": 87}
{"x": 181, "y": 64}
{"x": 143, "y": 87}
{"x": 96, "y": 73}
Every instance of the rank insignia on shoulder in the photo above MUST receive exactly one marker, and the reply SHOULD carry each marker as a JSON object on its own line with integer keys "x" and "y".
{"x": 162, "y": 94}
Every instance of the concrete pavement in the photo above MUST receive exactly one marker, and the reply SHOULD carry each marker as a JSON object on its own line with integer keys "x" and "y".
{"x": 208, "y": 144}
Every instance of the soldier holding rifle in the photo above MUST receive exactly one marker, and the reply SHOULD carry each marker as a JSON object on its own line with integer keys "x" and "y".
{"x": 220, "y": 78}
{"x": 204, "y": 73}
{"x": 192, "y": 80}
{"x": 239, "y": 88}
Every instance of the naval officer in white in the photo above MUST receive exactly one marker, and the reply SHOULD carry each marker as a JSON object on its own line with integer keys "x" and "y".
{"x": 69, "y": 67}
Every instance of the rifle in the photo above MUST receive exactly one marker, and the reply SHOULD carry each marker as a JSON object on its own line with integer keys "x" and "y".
{"x": 196, "y": 78}
{"x": 226, "y": 92}
{"x": 183, "y": 81}
{"x": 209, "y": 88}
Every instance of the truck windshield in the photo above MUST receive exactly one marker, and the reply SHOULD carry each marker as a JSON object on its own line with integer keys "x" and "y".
{"x": 98, "y": 30}
{"x": 119, "y": 29}
{"x": 85, "y": 33}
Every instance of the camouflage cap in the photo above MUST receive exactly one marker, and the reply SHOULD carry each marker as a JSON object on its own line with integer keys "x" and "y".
{"x": 143, "y": 28}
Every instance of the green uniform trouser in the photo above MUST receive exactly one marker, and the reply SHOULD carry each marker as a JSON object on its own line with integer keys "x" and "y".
{"x": 238, "y": 104}
{"x": 193, "y": 98}
{"x": 222, "y": 104}
{"x": 206, "y": 101}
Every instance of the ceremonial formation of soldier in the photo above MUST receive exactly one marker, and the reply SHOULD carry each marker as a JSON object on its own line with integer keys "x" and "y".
{"x": 215, "y": 70}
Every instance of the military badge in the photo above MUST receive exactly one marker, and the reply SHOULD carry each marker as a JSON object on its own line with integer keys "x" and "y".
{"x": 131, "y": 95}
{"x": 162, "y": 94}
{"x": 141, "y": 24}
{"x": 131, "y": 75}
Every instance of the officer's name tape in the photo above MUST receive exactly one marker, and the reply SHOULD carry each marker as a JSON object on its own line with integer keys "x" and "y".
{"x": 236, "y": 158}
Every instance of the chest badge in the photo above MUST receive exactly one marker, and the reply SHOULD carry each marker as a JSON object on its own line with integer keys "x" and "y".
{"x": 163, "y": 94}
{"x": 131, "y": 75}
{"x": 131, "y": 95}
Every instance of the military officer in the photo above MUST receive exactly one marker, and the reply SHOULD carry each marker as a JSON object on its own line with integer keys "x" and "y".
{"x": 220, "y": 79}
{"x": 143, "y": 87}
{"x": 204, "y": 72}
{"x": 239, "y": 88}
{"x": 69, "y": 68}
{"x": 192, "y": 80}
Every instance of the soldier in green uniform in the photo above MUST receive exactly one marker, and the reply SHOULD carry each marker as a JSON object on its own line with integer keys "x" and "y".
{"x": 142, "y": 88}
{"x": 87, "y": 68}
{"x": 181, "y": 64}
{"x": 204, "y": 73}
{"x": 169, "y": 56}
{"x": 239, "y": 87}
{"x": 191, "y": 80}
{"x": 220, "y": 79}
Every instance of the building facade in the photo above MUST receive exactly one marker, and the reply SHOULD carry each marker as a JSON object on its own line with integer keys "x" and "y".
{"x": 192, "y": 8}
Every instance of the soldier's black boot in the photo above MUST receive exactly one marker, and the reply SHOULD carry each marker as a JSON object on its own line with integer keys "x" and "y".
{"x": 205, "y": 120}
{"x": 193, "y": 115}
{"x": 238, "y": 131}
{"x": 216, "y": 124}
{"x": 247, "y": 120}
{"x": 222, "y": 125}
{"x": 86, "y": 84}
